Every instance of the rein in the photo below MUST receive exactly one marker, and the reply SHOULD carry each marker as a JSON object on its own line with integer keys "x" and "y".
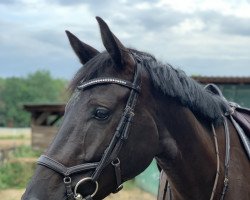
{"x": 226, "y": 162}
{"x": 110, "y": 155}
{"x": 218, "y": 163}
{"x": 230, "y": 110}
{"x": 226, "y": 165}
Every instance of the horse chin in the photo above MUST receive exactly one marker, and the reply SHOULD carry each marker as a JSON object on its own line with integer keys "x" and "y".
{"x": 102, "y": 194}
{"x": 37, "y": 193}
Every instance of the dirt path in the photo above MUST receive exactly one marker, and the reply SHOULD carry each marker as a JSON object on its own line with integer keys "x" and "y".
{"x": 133, "y": 194}
{"x": 11, "y": 194}
{"x": 9, "y": 143}
{"x": 14, "y": 137}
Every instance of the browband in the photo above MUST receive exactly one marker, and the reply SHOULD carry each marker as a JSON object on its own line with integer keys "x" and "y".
{"x": 97, "y": 81}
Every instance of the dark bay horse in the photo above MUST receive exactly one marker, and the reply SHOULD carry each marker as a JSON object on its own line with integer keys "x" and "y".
{"x": 128, "y": 108}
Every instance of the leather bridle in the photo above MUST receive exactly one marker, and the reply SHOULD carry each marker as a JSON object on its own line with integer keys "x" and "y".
{"x": 111, "y": 154}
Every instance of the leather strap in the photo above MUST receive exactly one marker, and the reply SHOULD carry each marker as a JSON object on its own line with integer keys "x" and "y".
{"x": 122, "y": 129}
{"x": 164, "y": 192}
{"x": 169, "y": 191}
{"x": 116, "y": 163}
{"x": 227, "y": 159}
{"x": 68, "y": 187}
{"x": 243, "y": 136}
{"x": 218, "y": 164}
{"x": 163, "y": 186}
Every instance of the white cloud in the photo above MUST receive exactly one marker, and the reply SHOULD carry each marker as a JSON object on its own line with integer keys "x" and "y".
{"x": 143, "y": 6}
{"x": 189, "y": 25}
{"x": 214, "y": 31}
{"x": 239, "y": 8}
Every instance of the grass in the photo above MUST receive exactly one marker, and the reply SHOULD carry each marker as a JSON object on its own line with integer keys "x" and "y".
{"x": 26, "y": 132}
{"x": 12, "y": 137}
{"x": 15, "y": 175}
{"x": 18, "y": 174}
{"x": 25, "y": 151}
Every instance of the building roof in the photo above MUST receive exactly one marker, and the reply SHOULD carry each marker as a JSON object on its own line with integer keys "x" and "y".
{"x": 44, "y": 107}
{"x": 222, "y": 80}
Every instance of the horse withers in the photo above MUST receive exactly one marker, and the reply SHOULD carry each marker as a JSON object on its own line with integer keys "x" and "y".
{"x": 127, "y": 108}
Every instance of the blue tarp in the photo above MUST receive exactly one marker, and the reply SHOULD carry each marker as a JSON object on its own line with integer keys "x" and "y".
{"x": 148, "y": 180}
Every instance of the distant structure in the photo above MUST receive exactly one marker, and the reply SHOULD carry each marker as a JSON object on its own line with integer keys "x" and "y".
{"x": 45, "y": 118}
{"x": 236, "y": 89}
{"x": 44, "y": 123}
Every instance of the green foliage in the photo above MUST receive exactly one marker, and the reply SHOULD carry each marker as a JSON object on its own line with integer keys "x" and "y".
{"x": 25, "y": 151}
{"x": 15, "y": 175}
{"x": 11, "y": 137}
{"x": 38, "y": 87}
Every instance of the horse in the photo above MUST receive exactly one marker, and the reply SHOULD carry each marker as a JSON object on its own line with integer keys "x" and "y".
{"x": 127, "y": 108}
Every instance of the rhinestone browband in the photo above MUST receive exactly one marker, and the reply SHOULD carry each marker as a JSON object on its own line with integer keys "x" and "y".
{"x": 98, "y": 81}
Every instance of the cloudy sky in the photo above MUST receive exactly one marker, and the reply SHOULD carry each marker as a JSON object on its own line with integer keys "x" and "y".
{"x": 202, "y": 37}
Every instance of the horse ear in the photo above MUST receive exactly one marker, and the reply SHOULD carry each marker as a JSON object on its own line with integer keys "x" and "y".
{"x": 119, "y": 53}
{"x": 83, "y": 51}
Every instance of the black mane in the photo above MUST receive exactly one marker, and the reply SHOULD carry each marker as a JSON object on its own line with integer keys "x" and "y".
{"x": 176, "y": 84}
{"x": 167, "y": 80}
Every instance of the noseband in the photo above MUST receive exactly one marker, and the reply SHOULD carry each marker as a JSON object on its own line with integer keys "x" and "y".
{"x": 110, "y": 155}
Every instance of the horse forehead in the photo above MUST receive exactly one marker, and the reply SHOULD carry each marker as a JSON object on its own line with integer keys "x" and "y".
{"x": 104, "y": 92}
{"x": 73, "y": 99}
{"x": 108, "y": 91}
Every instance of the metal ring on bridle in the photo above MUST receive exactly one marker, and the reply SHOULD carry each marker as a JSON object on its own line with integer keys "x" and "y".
{"x": 86, "y": 180}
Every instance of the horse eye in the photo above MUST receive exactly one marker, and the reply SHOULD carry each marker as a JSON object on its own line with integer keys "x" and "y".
{"x": 101, "y": 113}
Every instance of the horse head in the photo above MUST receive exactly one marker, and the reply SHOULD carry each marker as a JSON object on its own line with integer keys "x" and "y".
{"x": 108, "y": 134}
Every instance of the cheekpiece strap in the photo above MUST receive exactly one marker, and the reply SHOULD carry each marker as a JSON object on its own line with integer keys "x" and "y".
{"x": 99, "y": 81}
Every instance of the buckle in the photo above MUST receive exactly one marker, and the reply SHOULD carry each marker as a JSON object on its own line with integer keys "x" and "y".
{"x": 67, "y": 180}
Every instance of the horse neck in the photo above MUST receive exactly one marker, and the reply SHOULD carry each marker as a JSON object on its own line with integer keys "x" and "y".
{"x": 187, "y": 152}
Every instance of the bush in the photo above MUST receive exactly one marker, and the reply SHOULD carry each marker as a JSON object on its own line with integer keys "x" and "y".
{"x": 25, "y": 151}
{"x": 39, "y": 87}
{"x": 15, "y": 175}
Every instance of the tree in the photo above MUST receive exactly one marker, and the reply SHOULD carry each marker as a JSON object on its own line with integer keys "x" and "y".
{"x": 42, "y": 88}
{"x": 2, "y": 83}
{"x": 38, "y": 87}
